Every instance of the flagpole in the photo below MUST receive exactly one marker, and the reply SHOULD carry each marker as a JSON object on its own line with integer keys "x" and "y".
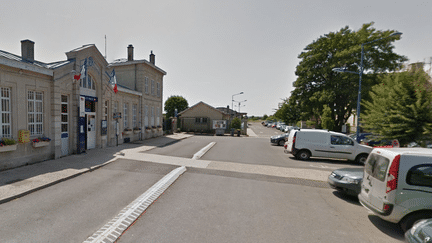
{"x": 105, "y": 48}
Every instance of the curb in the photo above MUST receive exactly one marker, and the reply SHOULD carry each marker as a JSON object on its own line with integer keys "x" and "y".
{"x": 55, "y": 182}
{"x": 111, "y": 231}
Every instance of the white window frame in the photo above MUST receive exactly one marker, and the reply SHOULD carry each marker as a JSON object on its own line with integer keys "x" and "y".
{"x": 66, "y": 114}
{"x": 125, "y": 116}
{"x": 35, "y": 112}
{"x": 5, "y": 113}
{"x": 134, "y": 116}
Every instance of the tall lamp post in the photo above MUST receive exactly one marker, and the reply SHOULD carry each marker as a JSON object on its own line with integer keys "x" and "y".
{"x": 360, "y": 73}
{"x": 239, "y": 104}
{"x": 232, "y": 102}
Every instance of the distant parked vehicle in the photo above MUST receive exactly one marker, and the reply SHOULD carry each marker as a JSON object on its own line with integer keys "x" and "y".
{"x": 347, "y": 180}
{"x": 279, "y": 139}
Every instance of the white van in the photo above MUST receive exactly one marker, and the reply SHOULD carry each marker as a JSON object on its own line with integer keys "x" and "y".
{"x": 306, "y": 143}
{"x": 397, "y": 185}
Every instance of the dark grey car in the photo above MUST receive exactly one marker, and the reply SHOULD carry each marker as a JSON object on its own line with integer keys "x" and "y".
{"x": 347, "y": 180}
{"x": 279, "y": 139}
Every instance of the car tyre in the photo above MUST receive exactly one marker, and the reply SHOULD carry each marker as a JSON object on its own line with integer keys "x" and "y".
{"x": 411, "y": 219}
{"x": 303, "y": 155}
{"x": 361, "y": 159}
{"x": 281, "y": 142}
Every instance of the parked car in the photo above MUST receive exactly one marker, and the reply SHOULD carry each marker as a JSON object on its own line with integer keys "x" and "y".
{"x": 421, "y": 232}
{"x": 397, "y": 185}
{"x": 361, "y": 135}
{"x": 279, "y": 139}
{"x": 347, "y": 180}
{"x": 375, "y": 140}
{"x": 306, "y": 143}
{"x": 289, "y": 128}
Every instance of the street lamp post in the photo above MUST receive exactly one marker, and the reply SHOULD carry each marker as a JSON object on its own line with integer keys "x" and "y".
{"x": 239, "y": 104}
{"x": 232, "y": 102}
{"x": 360, "y": 73}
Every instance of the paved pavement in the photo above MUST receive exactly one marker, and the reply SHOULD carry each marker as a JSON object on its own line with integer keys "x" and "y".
{"x": 21, "y": 181}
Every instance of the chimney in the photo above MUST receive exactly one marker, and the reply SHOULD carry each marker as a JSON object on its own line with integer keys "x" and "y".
{"x": 27, "y": 50}
{"x": 130, "y": 53}
{"x": 152, "y": 58}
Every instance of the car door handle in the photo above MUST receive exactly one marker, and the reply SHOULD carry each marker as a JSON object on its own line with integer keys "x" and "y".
{"x": 332, "y": 147}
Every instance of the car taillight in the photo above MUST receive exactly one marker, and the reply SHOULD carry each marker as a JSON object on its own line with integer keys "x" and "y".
{"x": 285, "y": 146}
{"x": 392, "y": 178}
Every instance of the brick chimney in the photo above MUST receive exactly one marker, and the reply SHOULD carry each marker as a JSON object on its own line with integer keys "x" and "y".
{"x": 27, "y": 50}
{"x": 152, "y": 58}
{"x": 130, "y": 53}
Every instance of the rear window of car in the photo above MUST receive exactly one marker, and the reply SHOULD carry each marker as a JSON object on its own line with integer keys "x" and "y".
{"x": 376, "y": 166}
{"x": 420, "y": 175}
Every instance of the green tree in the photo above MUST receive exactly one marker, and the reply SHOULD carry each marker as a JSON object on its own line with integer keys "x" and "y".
{"x": 400, "y": 107}
{"x": 326, "y": 119}
{"x": 289, "y": 112}
{"x": 175, "y": 102}
{"x": 236, "y": 123}
{"x": 317, "y": 85}
{"x": 265, "y": 117}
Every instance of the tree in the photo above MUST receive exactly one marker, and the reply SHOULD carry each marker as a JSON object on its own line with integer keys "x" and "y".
{"x": 265, "y": 117}
{"x": 317, "y": 85}
{"x": 400, "y": 107}
{"x": 175, "y": 102}
{"x": 326, "y": 119}
{"x": 289, "y": 112}
{"x": 236, "y": 123}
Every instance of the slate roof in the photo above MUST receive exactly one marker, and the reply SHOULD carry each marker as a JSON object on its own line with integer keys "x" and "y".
{"x": 17, "y": 58}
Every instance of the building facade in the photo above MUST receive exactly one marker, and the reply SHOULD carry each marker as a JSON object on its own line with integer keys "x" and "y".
{"x": 57, "y": 109}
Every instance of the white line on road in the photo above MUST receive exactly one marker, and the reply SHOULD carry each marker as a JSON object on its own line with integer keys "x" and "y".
{"x": 113, "y": 229}
{"x": 204, "y": 150}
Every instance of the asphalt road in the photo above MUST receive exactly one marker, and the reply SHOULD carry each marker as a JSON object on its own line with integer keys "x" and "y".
{"x": 203, "y": 205}
{"x": 231, "y": 207}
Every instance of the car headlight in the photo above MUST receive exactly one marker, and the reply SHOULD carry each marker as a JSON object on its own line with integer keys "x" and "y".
{"x": 351, "y": 180}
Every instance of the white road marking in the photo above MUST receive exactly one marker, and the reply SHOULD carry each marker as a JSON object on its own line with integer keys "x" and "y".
{"x": 204, "y": 150}
{"x": 113, "y": 229}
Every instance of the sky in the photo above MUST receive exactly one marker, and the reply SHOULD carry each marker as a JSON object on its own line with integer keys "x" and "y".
{"x": 211, "y": 50}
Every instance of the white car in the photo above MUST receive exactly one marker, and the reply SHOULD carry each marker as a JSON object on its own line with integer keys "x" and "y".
{"x": 306, "y": 143}
{"x": 397, "y": 185}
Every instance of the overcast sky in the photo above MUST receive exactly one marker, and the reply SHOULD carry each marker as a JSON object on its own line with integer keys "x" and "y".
{"x": 210, "y": 49}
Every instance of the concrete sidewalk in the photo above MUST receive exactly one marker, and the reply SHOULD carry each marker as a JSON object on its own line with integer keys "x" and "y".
{"x": 23, "y": 180}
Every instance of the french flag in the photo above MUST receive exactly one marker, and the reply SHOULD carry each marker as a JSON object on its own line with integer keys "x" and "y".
{"x": 113, "y": 81}
{"x": 83, "y": 71}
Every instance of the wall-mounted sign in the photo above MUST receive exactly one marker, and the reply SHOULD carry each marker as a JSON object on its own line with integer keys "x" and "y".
{"x": 117, "y": 115}
{"x": 219, "y": 124}
{"x": 23, "y": 136}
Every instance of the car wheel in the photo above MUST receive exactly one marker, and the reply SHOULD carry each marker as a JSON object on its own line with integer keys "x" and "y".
{"x": 361, "y": 159}
{"x": 281, "y": 142}
{"x": 303, "y": 155}
{"x": 411, "y": 219}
